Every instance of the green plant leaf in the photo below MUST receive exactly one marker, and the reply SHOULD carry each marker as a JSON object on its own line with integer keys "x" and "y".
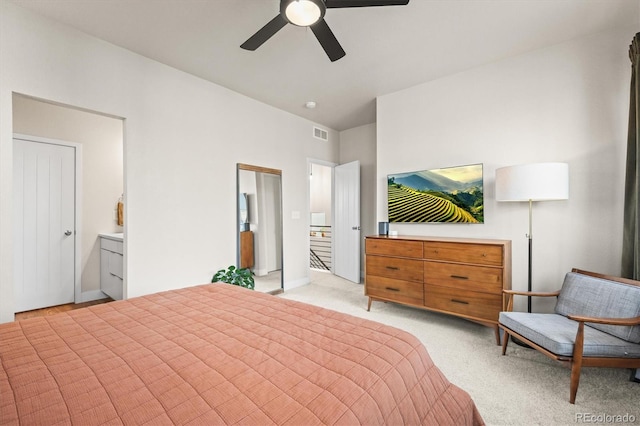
{"x": 242, "y": 277}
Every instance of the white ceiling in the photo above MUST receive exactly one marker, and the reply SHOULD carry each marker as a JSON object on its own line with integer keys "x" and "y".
{"x": 388, "y": 48}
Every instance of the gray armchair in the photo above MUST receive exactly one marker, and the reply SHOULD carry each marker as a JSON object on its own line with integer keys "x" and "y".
{"x": 596, "y": 323}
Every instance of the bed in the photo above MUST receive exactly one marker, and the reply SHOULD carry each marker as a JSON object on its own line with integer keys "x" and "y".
{"x": 219, "y": 354}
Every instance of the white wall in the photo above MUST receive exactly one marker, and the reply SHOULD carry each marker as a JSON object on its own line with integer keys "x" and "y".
{"x": 183, "y": 138}
{"x": 102, "y": 173}
{"x": 567, "y": 103}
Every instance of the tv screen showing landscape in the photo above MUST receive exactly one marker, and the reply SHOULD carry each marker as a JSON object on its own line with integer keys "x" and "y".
{"x": 448, "y": 195}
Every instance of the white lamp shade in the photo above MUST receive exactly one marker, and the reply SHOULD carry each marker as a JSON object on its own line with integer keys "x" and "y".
{"x": 535, "y": 182}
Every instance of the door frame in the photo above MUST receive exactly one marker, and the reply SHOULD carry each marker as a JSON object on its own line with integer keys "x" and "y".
{"x": 77, "y": 255}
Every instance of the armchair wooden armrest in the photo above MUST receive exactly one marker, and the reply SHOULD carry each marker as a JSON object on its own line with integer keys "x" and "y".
{"x": 611, "y": 321}
{"x": 511, "y": 293}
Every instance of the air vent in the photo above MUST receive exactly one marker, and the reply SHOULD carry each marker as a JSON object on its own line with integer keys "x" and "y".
{"x": 318, "y": 133}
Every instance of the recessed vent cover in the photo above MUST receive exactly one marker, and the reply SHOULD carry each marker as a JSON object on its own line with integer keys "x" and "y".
{"x": 318, "y": 133}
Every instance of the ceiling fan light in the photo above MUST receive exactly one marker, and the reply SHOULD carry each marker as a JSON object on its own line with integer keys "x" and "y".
{"x": 303, "y": 13}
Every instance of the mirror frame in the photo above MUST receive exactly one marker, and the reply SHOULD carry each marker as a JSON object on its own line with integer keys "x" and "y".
{"x": 259, "y": 169}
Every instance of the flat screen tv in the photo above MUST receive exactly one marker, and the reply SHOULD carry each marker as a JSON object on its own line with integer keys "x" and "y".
{"x": 448, "y": 195}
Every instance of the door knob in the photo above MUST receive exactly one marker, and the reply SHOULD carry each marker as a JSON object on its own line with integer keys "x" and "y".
{"x": 355, "y": 228}
{"x": 67, "y": 233}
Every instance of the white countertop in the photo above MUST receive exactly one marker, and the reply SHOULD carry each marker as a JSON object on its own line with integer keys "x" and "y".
{"x": 113, "y": 236}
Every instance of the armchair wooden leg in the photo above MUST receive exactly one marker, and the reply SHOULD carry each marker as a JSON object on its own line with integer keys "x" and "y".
{"x": 505, "y": 341}
{"x": 575, "y": 381}
{"x": 576, "y": 363}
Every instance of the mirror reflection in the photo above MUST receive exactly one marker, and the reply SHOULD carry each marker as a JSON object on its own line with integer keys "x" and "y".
{"x": 259, "y": 195}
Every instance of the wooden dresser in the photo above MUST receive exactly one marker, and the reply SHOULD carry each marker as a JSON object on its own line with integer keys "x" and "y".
{"x": 246, "y": 249}
{"x": 457, "y": 276}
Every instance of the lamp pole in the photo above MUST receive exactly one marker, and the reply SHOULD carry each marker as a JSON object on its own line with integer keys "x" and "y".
{"x": 529, "y": 272}
{"x": 532, "y": 182}
{"x": 530, "y": 238}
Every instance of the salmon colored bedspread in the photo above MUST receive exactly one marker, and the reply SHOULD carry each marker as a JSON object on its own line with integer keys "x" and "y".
{"x": 219, "y": 354}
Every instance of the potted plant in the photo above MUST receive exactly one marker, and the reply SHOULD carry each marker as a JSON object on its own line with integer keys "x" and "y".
{"x": 242, "y": 277}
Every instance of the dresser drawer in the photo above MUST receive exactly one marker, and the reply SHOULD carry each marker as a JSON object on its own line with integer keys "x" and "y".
{"x": 464, "y": 277}
{"x": 480, "y": 254}
{"x": 112, "y": 286}
{"x": 114, "y": 264}
{"x": 111, "y": 245}
{"x": 395, "y": 290}
{"x": 385, "y": 247}
{"x": 469, "y": 303}
{"x": 396, "y": 268}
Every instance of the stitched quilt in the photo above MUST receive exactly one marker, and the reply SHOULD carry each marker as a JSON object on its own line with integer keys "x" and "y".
{"x": 219, "y": 354}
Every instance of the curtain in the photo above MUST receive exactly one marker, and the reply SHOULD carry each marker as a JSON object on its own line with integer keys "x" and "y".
{"x": 631, "y": 230}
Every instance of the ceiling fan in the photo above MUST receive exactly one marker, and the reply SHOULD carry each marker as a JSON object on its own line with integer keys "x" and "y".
{"x": 310, "y": 13}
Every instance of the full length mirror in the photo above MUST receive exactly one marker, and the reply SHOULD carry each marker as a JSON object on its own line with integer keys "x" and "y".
{"x": 259, "y": 216}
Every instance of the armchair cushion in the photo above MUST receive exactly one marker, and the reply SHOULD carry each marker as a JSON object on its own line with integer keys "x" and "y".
{"x": 596, "y": 297}
{"x": 557, "y": 333}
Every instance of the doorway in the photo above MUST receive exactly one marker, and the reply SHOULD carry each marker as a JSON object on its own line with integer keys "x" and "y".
{"x": 100, "y": 138}
{"x": 334, "y": 206}
{"x": 320, "y": 208}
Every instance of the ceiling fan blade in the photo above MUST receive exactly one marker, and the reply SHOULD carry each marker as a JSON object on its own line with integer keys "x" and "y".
{"x": 327, "y": 40}
{"x": 264, "y": 33}
{"x": 364, "y": 3}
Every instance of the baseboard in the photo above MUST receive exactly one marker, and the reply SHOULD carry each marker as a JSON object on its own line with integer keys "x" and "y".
{"x": 89, "y": 296}
{"x": 260, "y": 272}
{"x": 289, "y": 285}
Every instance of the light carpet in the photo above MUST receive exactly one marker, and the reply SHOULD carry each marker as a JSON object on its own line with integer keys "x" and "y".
{"x": 522, "y": 388}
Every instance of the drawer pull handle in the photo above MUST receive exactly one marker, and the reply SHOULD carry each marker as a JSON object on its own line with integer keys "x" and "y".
{"x": 459, "y": 301}
{"x": 392, "y": 289}
{"x": 459, "y": 277}
{"x": 393, "y": 268}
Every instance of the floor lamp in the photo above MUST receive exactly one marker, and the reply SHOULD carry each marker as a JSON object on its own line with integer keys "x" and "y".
{"x": 532, "y": 182}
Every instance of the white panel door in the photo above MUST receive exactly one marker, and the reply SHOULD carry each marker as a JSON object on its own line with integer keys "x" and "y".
{"x": 44, "y": 224}
{"x": 346, "y": 235}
